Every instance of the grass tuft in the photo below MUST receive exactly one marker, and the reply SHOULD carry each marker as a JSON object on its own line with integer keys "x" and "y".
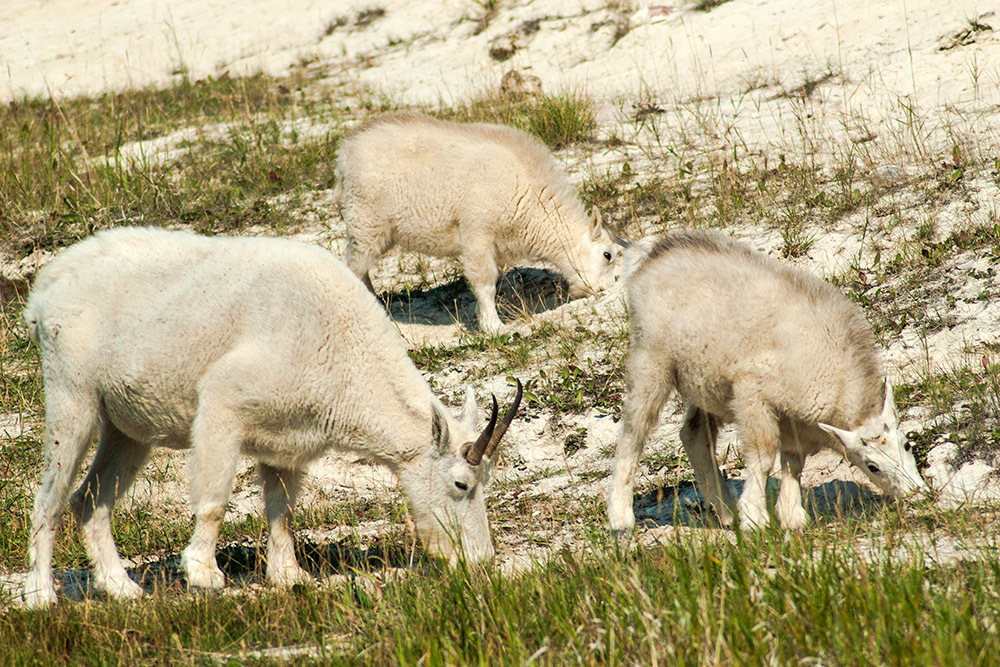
{"x": 558, "y": 120}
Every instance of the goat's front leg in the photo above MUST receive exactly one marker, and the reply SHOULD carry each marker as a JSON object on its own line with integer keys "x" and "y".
{"x": 645, "y": 395}
{"x": 758, "y": 429}
{"x": 215, "y": 437}
{"x": 481, "y": 271}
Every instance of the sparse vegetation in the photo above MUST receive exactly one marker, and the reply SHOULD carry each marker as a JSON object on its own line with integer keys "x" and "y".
{"x": 965, "y": 404}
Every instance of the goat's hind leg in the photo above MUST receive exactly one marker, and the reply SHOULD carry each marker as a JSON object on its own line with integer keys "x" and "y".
{"x": 646, "y": 392}
{"x": 791, "y": 513}
{"x": 361, "y": 258}
{"x": 699, "y": 435}
{"x": 118, "y": 460}
{"x": 280, "y": 489}
{"x": 71, "y": 420}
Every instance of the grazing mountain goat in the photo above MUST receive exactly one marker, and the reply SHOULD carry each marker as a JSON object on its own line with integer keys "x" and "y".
{"x": 776, "y": 350}
{"x": 487, "y": 194}
{"x": 266, "y": 347}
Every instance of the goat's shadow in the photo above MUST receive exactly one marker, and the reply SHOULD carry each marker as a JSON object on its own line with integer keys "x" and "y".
{"x": 245, "y": 564}
{"x": 683, "y": 505}
{"x": 519, "y": 291}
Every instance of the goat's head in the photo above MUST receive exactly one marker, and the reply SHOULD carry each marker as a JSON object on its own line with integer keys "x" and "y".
{"x": 600, "y": 252}
{"x": 446, "y": 485}
{"x": 879, "y": 449}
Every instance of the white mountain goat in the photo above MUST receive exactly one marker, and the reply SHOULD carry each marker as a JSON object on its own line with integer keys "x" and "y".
{"x": 488, "y": 194}
{"x": 230, "y": 346}
{"x": 781, "y": 353}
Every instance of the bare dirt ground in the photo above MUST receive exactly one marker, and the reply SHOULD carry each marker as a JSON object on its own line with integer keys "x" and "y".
{"x": 773, "y": 76}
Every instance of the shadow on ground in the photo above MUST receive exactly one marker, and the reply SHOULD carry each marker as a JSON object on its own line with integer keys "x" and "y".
{"x": 682, "y": 505}
{"x": 244, "y": 564}
{"x": 519, "y": 291}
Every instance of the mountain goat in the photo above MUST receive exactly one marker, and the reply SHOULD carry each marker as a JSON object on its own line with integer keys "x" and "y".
{"x": 487, "y": 194}
{"x": 265, "y": 347}
{"x": 776, "y": 350}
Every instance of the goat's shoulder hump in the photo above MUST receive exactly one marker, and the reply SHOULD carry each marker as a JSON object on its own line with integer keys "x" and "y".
{"x": 697, "y": 240}
{"x": 414, "y": 122}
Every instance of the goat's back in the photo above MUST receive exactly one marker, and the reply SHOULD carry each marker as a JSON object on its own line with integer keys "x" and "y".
{"x": 418, "y": 140}
{"x": 721, "y": 317}
{"x": 410, "y": 156}
{"x": 140, "y": 317}
{"x": 151, "y": 281}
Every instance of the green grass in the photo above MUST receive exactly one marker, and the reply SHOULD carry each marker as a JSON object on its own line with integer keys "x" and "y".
{"x": 502, "y": 353}
{"x": 697, "y": 600}
{"x": 20, "y": 375}
{"x": 21, "y": 451}
{"x": 69, "y": 168}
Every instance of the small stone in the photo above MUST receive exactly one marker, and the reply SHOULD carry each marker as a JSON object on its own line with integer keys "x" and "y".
{"x": 518, "y": 86}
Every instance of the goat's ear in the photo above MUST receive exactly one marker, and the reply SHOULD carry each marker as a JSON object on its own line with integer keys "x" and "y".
{"x": 440, "y": 439}
{"x": 469, "y": 409}
{"x": 596, "y": 224}
{"x": 850, "y": 439}
{"x": 889, "y": 406}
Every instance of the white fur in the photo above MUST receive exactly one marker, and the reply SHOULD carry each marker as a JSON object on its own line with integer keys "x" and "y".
{"x": 778, "y": 351}
{"x": 490, "y": 195}
{"x": 230, "y": 346}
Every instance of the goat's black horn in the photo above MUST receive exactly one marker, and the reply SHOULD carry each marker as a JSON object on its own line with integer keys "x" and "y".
{"x": 475, "y": 454}
{"x": 505, "y": 422}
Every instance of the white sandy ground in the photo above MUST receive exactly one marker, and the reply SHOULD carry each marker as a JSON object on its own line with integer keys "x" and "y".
{"x": 883, "y": 56}
{"x": 723, "y": 77}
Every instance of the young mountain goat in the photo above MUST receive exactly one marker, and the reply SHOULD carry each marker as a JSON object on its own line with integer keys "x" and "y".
{"x": 231, "y": 346}
{"x": 488, "y": 194}
{"x": 778, "y": 351}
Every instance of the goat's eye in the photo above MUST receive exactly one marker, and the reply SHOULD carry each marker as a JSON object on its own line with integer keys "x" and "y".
{"x": 607, "y": 255}
{"x": 461, "y": 486}
{"x": 873, "y": 468}
{"x": 906, "y": 446}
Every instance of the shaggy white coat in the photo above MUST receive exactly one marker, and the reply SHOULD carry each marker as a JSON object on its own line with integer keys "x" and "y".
{"x": 490, "y": 195}
{"x": 264, "y": 347}
{"x": 744, "y": 338}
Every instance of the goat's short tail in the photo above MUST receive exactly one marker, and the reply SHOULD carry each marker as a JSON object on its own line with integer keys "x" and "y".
{"x": 32, "y": 319}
